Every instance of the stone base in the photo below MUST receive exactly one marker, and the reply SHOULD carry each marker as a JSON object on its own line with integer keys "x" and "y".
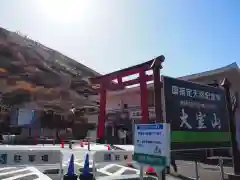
{"x": 233, "y": 177}
{"x": 74, "y": 177}
{"x": 88, "y": 177}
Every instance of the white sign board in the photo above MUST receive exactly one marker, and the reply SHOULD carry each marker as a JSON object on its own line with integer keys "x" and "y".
{"x": 136, "y": 114}
{"x": 10, "y": 157}
{"x": 152, "y": 141}
{"x": 112, "y": 156}
{"x": 25, "y": 116}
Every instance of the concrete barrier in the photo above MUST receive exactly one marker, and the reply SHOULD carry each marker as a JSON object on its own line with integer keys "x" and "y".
{"x": 19, "y": 158}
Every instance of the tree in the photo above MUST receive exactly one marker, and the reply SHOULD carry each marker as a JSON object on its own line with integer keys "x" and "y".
{"x": 16, "y": 97}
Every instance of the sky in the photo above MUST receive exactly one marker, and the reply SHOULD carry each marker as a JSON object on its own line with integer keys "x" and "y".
{"x": 108, "y": 35}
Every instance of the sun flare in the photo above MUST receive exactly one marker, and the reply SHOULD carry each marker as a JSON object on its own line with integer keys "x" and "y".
{"x": 63, "y": 10}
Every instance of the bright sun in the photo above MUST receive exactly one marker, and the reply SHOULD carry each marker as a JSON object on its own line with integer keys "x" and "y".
{"x": 63, "y": 10}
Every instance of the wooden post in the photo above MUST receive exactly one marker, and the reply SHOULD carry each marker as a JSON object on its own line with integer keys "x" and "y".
{"x": 102, "y": 114}
{"x": 144, "y": 97}
{"x": 156, "y": 66}
{"x": 157, "y": 93}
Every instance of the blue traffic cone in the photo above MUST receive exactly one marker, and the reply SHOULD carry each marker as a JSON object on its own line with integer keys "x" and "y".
{"x": 86, "y": 174}
{"x": 70, "y": 173}
{"x": 86, "y": 166}
{"x": 71, "y": 166}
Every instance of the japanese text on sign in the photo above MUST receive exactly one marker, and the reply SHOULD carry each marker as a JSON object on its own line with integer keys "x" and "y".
{"x": 152, "y": 144}
{"x": 200, "y": 118}
{"x": 138, "y": 113}
{"x": 193, "y": 93}
{"x": 23, "y": 157}
{"x": 117, "y": 156}
{"x": 152, "y": 139}
{"x": 197, "y": 113}
{"x": 114, "y": 157}
{"x": 197, "y": 105}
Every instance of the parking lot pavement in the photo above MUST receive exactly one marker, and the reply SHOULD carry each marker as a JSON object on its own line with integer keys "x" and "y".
{"x": 185, "y": 168}
{"x": 206, "y": 172}
{"x": 116, "y": 171}
{"x": 22, "y": 173}
{"x": 134, "y": 177}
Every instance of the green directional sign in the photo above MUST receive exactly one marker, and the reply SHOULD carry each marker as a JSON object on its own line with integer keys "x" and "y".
{"x": 150, "y": 159}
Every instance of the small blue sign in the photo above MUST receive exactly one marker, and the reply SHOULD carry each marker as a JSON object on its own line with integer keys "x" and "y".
{"x": 149, "y": 126}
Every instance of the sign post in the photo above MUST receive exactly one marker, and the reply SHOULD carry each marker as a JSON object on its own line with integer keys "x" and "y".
{"x": 152, "y": 145}
{"x": 197, "y": 114}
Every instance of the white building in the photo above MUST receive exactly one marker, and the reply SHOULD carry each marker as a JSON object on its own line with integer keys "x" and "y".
{"x": 130, "y": 97}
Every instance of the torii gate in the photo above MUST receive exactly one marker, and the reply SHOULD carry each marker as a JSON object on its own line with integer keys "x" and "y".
{"x": 105, "y": 82}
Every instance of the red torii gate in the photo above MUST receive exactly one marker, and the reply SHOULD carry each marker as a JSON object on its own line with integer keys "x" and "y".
{"x": 105, "y": 82}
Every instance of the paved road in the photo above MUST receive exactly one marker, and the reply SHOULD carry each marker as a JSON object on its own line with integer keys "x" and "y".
{"x": 206, "y": 172}
{"x": 21, "y": 173}
{"x": 79, "y": 153}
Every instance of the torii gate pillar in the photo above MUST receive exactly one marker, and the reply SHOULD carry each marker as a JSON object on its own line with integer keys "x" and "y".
{"x": 105, "y": 82}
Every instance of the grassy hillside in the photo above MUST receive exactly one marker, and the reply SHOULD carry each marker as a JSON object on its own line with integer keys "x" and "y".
{"x": 33, "y": 74}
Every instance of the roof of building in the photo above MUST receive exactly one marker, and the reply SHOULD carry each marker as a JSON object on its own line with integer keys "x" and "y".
{"x": 211, "y": 72}
{"x": 191, "y": 77}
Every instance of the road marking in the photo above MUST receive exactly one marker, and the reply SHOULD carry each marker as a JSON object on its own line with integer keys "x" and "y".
{"x": 21, "y": 173}
{"x": 79, "y": 164}
{"x": 22, "y": 176}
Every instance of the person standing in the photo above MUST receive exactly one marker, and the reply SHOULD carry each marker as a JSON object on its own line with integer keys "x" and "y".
{"x": 122, "y": 136}
{"x": 173, "y": 163}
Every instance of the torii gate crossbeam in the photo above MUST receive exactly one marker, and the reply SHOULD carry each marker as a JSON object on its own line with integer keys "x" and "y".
{"x": 105, "y": 82}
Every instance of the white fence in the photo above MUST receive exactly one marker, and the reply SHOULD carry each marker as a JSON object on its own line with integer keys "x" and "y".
{"x": 28, "y": 158}
{"x": 116, "y": 156}
{"x": 12, "y": 157}
{"x": 106, "y": 157}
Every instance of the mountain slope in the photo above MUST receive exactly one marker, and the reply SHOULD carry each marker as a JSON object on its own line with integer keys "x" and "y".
{"x": 44, "y": 77}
